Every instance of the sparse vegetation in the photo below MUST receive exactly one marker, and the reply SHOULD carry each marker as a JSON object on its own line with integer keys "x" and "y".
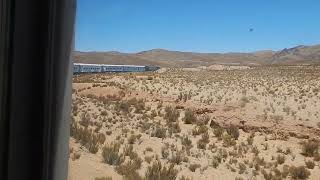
{"x": 245, "y": 123}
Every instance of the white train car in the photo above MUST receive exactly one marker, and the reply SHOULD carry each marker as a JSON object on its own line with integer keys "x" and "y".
{"x": 86, "y": 68}
{"x": 133, "y": 68}
{"x": 98, "y": 68}
{"x": 112, "y": 68}
{"x": 76, "y": 68}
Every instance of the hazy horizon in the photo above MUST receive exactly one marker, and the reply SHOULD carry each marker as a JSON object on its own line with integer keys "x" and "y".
{"x": 261, "y": 50}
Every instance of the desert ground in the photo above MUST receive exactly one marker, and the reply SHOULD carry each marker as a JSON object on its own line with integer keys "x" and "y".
{"x": 217, "y": 122}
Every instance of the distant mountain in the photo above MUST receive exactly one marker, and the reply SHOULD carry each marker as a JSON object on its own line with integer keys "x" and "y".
{"x": 111, "y": 58}
{"x": 166, "y": 58}
{"x": 297, "y": 55}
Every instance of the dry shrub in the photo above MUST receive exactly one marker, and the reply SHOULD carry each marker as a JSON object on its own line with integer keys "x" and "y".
{"x": 197, "y": 130}
{"x": 310, "y": 164}
{"x": 101, "y": 138}
{"x": 250, "y": 139}
{"x": 299, "y": 172}
{"x": 86, "y": 137}
{"x": 189, "y": 117}
{"x": 122, "y": 106}
{"x": 274, "y": 174}
{"x": 203, "y": 120}
{"x": 108, "y": 132}
{"x": 128, "y": 151}
{"x": 129, "y": 169}
{"x": 159, "y": 172}
{"x": 185, "y": 178}
{"x": 177, "y": 157}
{"x": 75, "y": 156}
{"x": 186, "y": 142}
{"x": 285, "y": 171}
{"x": 193, "y": 167}
{"x": 228, "y": 141}
{"x": 159, "y": 132}
{"x": 218, "y": 132}
{"x": 216, "y": 160}
{"x": 242, "y": 168}
{"x": 149, "y": 149}
{"x": 310, "y": 148}
{"x": 103, "y": 178}
{"x": 148, "y": 159}
{"x": 111, "y": 155}
{"x": 104, "y": 113}
{"x": 139, "y": 105}
{"x": 74, "y": 109}
{"x": 281, "y": 159}
{"x": 98, "y": 127}
{"x": 165, "y": 152}
{"x": 171, "y": 115}
{"x": 132, "y": 139}
{"x": 233, "y": 131}
{"x": 202, "y": 143}
{"x": 85, "y": 119}
{"x": 174, "y": 128}
{"x": 144, "y": 125}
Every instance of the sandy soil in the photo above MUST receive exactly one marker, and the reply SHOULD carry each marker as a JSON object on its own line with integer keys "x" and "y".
{"x": 264, "y": 115}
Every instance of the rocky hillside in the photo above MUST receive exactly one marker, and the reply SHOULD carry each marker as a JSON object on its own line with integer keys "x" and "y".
{"x": 166, "y": 58}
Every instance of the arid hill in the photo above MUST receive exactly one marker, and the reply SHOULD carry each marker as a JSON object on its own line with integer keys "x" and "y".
{"x": 166, "y": 58}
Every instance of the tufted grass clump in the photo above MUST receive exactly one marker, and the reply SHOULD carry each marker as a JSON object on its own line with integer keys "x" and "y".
{"x": 160, "y": 172}
{"x": 111, "y": 155}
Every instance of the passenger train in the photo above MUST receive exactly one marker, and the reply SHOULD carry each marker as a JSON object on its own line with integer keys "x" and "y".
{"x": 100, "y": 68}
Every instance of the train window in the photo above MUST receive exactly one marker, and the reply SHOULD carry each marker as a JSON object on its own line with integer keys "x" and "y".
{"x": 173, "y": 90}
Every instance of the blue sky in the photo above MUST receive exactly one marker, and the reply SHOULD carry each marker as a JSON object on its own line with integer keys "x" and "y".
{"x": 196, "y": 25}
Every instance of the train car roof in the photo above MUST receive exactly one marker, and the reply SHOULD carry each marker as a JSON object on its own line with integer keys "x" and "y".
{"x": 116, "y": 65}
